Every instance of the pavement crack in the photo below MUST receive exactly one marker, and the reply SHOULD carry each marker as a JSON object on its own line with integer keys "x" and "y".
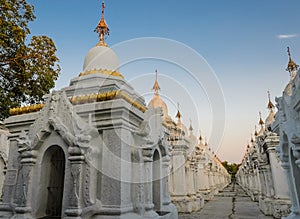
{"x": 233, "y": 202}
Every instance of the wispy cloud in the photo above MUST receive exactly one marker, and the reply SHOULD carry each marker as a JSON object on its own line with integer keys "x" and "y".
{"x": 287, "y": 36}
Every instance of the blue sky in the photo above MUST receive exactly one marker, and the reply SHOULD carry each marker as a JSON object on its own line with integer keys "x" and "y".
{"x": 239, "y": 39}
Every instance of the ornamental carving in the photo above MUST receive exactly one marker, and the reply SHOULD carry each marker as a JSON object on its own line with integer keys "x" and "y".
{"x": 58, "y": 115}
{"x": 150, "y": 131}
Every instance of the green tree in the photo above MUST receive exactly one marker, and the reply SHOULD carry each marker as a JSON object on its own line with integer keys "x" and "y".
{"x": 231, "y": 168}
{"x": 27, "y": 70}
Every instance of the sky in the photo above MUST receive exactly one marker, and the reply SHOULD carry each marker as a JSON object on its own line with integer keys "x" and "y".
{"x": 240, "y": 45}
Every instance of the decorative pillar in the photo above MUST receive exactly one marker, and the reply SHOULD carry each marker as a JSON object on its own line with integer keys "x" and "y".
{"x": 294, "y": 209}
{"x": 148, "y": 161}
{"x": 166, "y": 199}
{"x": 295, "y": 164}
{"x": 76, "y": 159}
{"x": 28, "y": 160}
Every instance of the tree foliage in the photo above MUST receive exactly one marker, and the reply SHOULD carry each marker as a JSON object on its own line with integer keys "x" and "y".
{"x": 27, "y": 70}
{"x": 231, "y": 168}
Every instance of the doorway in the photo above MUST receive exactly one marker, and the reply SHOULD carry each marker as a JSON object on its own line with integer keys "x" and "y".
{"x": 156, "y": 183}
{"x": 53, "y": 171}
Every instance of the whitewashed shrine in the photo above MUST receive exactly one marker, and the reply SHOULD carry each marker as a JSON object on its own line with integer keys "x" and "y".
{"x": 196, "y": 173}
{"x": 92, "y": 150}
{"x": 288, "y": 120}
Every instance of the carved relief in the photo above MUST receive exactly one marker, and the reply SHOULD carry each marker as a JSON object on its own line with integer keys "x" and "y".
{"x": 74, "y": 196}
{"x": 58, "y": 115}
{"x": 289, "y": 129}
{"x": 150, "y": 129}
{"x": 87, "y": 185}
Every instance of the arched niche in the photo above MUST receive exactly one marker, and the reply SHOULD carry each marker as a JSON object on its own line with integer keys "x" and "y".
{"x": 156, "y": 183}
{"x": 51, "y": 183}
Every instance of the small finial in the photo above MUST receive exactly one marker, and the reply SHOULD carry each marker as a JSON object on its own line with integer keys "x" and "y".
{"x": 289, "y": 53}
{"x": 178, "y": 115}
{"x": 255, "y": 133}
{"x": 103, "y": 7}
{"x": 270, "y": 104}
{"x": 102, "y": 28}
{"x": 206, "y": 141}
{"x": 292, "y": 66}
{"x": 251, "y": 139}
{"x": 261, "y": 122}
{"x": 156, "y": 87}
{"x": 200, "y": 137}
{"x": 191, "y": 127}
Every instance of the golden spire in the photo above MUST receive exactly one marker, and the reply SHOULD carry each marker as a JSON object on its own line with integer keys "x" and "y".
{"x": 102, "y": 28}
{"x": 261, "y": 122}
{"x": 252, "y": 140}
{"x": 178, "y": 115}
{"x": 156, "y": 87}
{"x": 255, "y": 132}
{"x": 200, "y": 137}
{"x": 270, "y": 104}
{"x": 292, "y": 66}
{"x": 191, "y": 127}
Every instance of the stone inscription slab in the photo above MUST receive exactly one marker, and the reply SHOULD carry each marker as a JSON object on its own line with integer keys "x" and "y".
{"x": 11, "y": 177}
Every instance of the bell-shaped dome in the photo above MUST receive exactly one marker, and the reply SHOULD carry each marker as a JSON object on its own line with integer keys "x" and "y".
{"x": 201, "y": 143}
{"x": 182, "y": 127}
{"x": 158, "y": 102}
{"x": 101, "y": 58}
{"x": 193, "y": 141}
{"x": 271, "y": 117}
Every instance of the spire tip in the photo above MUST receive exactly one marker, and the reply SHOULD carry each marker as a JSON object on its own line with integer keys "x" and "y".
{"x": 270, "y": 104}
{"x": 102, "y": 28}
{"x": 156, "y": 86}
{"x": 292, "y": 66}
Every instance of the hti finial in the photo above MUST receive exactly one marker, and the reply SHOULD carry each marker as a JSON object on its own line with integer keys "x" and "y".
{"x": 292, "y": 66}
{"x": 270, "y": 104}
{"x": 191, "y": 127}
{"x": 200, "y": 137}
{"x": 156, "y": 87}
{"x": 103, "y": 7}
{"x": 289, "y": 52}
{"x": 255, "y": 132}
{"x": 102, "y": 28}
{"x": 178, "y": 115}
{"x": 261, "y": 122}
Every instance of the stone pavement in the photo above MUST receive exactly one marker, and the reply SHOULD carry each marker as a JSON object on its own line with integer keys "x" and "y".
{"x": 232, "y": 203}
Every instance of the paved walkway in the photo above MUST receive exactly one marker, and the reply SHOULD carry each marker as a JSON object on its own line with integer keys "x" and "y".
{"x": 232, "y": 203}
